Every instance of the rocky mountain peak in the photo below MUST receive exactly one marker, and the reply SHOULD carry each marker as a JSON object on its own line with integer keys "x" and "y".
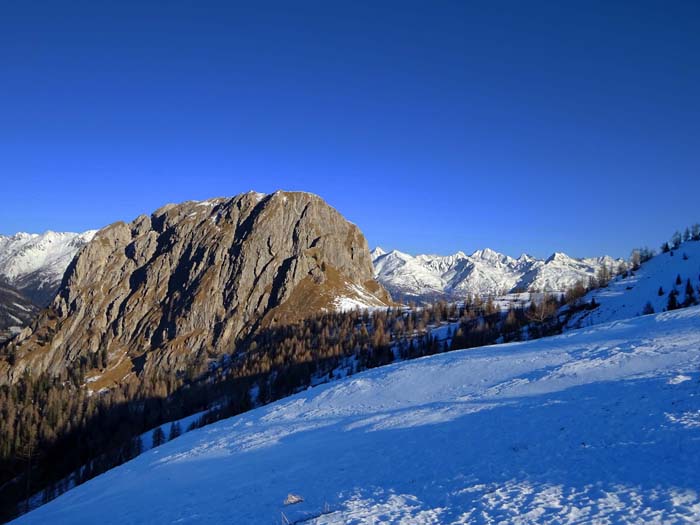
{"x": 377, "y": 252}
{"x": 195, "y": 278}
{"x": 558, "y": 257}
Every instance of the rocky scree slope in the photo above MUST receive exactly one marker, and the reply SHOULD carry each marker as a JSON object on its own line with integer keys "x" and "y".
{"x": 193, "y": 279}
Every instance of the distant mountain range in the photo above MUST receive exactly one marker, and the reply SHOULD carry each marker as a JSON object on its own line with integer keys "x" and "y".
{"x": 484, "y": 272}
{"x": 34, "y": 264}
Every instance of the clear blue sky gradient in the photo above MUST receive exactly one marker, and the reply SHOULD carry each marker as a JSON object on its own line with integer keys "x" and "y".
{"x": 434, "y": 126}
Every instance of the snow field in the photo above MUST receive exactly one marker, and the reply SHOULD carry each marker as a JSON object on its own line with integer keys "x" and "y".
{"x": 599, "y": 425}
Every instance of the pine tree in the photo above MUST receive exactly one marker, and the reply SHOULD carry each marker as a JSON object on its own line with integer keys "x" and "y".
{"x": 175, "y": 430}
{"x": 695, "y": 232}
{"x": 645, "y": 254}
{"x": 672, "y": 301}
{"x": 665, "y": 248}
{"x": 676, "y": 240}
{"x": 158, "y": 437}
{"x": 689, "y": 294}
{"x": 648, "y": 309}
{"x": 661, "y": 291}
{"x": 635, "y": 260}
{"x": 678, "y": 280}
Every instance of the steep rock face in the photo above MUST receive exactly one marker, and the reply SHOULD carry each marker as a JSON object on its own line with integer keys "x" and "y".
{"x": 194, "y": 278}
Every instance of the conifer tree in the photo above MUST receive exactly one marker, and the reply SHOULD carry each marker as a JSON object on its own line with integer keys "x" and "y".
{"x": 635, "y": 260}
{"x": 695, "y": 232}
{"x": 676, "y": 240}
{"x": 175, "y": 430}
{"x": 672, "y": 301}
{"x": 158, "y": 437}
{"x": 689, "y": 294}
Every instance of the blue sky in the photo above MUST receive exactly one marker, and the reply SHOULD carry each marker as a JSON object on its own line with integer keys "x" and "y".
{"x": 435, "y": 126}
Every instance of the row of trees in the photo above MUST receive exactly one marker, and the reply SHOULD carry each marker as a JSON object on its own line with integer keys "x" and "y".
{"x": 692, "y": 233}
{"x": 690, "y": 298}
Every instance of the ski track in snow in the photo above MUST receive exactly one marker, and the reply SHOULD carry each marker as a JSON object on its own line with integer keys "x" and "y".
{"x": 599, "y": 425}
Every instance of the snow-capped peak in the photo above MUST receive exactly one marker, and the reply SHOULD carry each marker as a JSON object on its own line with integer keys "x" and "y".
{"x": 558, "y": 256}
{"x": 484, "y": 272}
{"x": 35, "y": 263}
{"x": 377, "y": 252}
{"x": 486, "y": 253}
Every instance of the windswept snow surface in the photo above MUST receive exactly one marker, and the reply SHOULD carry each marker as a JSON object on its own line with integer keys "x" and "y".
{"x": 599, "y": 425}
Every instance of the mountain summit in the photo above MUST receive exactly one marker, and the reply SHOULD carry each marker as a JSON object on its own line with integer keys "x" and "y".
{"x": 193, "y": 278}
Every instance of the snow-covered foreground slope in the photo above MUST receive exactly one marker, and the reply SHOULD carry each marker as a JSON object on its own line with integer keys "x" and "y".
{"x": 484, "y": 272}
{"x": 626, "y": 297}
{"x": 35, "y": 263}
{"x": 600, "y": 425}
